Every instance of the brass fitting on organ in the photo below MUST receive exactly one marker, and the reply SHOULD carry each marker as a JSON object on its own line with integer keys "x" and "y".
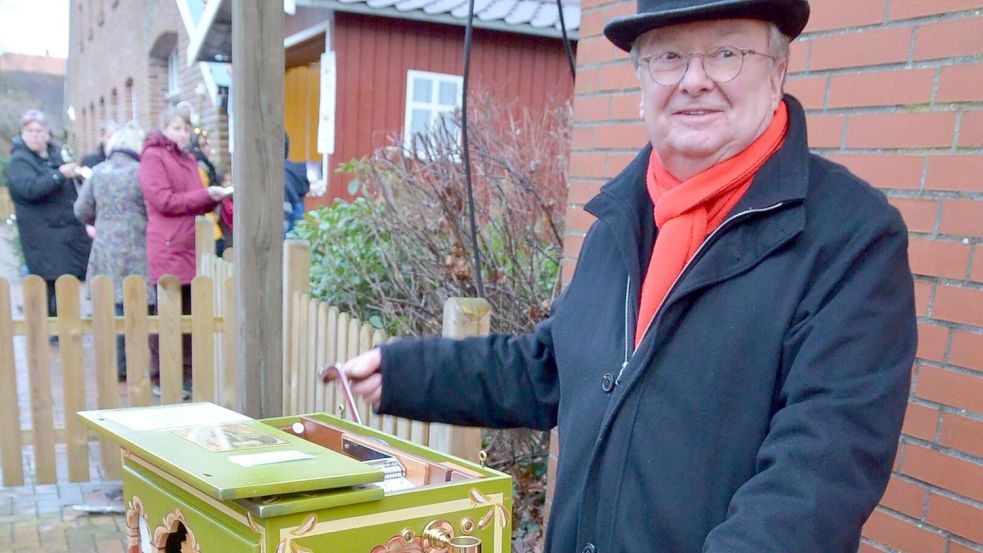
{"x": 438, "y": 537}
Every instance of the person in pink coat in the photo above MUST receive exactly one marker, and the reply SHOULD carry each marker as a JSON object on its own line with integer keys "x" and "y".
{"x": 174, "y": 196}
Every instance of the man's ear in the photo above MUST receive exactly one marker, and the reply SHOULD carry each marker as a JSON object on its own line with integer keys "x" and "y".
{"x": 778, "y": 78}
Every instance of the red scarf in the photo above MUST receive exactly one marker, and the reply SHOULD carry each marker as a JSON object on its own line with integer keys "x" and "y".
{"x": 687, "y": 212}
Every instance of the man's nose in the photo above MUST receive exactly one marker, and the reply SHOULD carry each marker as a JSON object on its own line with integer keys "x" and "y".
{"x": 695, "y": 78}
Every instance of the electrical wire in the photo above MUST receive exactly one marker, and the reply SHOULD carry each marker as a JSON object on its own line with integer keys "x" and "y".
{"x": 466, "y": 153}
{"x": 566, "y": 41}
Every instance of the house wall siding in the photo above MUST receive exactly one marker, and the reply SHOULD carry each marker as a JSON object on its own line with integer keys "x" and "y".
{"x": 374, "y": 54}
{"x": 893, "y": 90}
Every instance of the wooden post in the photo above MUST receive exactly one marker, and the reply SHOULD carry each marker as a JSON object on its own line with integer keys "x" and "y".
{"x": 204, "y": 240}
{"x": 257, "y": 88}
{"x": 296, "y": 280}
{"x": 463, "y": 317}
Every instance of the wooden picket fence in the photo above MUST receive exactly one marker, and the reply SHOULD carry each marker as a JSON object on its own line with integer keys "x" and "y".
{"x": 315, "y": 335}
{"x": 210, "y": 377}
{"x": 6, "y": 204}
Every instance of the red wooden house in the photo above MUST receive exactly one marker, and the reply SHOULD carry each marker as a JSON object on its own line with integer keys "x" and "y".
{"x": 399, "y": 66}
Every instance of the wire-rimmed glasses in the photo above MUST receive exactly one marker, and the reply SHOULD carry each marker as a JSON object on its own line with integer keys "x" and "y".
{"x": 721, "y": 65}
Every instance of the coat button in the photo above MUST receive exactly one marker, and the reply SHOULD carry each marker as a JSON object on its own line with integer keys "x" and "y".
{"x": 607, "y": 382}
{"x": 589, "y": 548}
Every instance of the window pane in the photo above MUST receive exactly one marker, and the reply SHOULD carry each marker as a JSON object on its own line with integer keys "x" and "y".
{"x": 420, "y": 121}
{"x": 448, "y": 94}
{"x": 422, "y": 90}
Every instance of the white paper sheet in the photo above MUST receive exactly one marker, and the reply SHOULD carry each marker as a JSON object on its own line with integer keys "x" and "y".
{"x": 268, "y": 458}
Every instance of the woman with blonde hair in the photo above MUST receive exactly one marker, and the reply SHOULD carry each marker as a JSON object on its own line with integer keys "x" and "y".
{"x": 112, "y": 201}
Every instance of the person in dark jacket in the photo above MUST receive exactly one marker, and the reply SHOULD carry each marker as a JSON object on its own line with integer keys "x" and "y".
{"x": 730, "y": 365}
{"x": 98, "y": 155}
{"x": 295, "y": 187}
{"x": 42, "y": 186}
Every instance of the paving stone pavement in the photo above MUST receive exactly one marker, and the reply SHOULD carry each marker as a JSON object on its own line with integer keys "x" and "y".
{"x": 40, "y": 517}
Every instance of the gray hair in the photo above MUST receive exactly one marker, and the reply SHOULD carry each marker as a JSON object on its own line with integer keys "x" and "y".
{"x": 182, "y": 110}
{"x": 778, "y": 45}
{"x": 129, "y": 137}
{"x": 108, "y": 127}
{"x": 32, "y": 115}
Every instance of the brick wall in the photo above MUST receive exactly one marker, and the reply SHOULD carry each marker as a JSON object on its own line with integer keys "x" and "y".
{"x": 116, "y": 47}
{"x": 893, "y": 90}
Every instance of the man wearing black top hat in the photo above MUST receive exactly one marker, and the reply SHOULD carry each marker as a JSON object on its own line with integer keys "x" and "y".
{"x": 729, "y": 367}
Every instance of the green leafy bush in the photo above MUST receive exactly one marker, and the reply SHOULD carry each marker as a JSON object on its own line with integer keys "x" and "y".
{"x": 346, "y": 257}
{"x": 4, "y": 162}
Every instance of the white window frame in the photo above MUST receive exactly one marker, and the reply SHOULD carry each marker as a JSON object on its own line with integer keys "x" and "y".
{"x": 173, "y": 76}
{"x": 436, "y": 109}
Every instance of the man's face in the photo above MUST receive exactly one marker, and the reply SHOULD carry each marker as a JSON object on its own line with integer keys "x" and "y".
{"x": 701, "y": 121}
{"x": 35, "y": 136}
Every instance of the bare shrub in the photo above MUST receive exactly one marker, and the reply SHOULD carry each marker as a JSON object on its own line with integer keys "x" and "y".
{"x": 416, "y": 250}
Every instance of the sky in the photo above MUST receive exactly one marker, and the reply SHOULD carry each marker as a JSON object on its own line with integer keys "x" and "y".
{"x": 34, "y": 27}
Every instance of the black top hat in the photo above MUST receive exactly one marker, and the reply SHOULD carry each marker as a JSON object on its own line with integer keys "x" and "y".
{"x": 789, "y": 15}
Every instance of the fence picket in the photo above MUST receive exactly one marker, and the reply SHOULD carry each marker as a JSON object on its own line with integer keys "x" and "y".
{"x": 321, "y": 359}
{"x": 202, "y": 339}
{"x": 342, "y": 344}
{"x": 309, "y": 370}
{"x": 171, "y": 354}
{"x": 215, "y": 275}
{"x": 296, "y": 314}
{"x": 228, "y": 343}
{"x": 331, "y": 356}
{"x": 136, "y": 330}
{"x": 104, "y": 341}
{"x": 11, "y": 443}
{"x": 305, "y": 332}
{"x": 68, "y": 290}
{"x": 388, "y": 424}
{"x": 39, "y": 373}
{"x": 354, "y": 335}
{"x": 204, "y": 240}
{"x": 365, "y": 344}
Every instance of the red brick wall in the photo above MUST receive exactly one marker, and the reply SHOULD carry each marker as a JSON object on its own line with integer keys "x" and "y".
{"x": 894, "y": 90}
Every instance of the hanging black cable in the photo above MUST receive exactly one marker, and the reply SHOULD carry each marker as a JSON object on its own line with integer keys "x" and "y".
{"x": 566, "y": 41}
{"x": 466, "y": 154}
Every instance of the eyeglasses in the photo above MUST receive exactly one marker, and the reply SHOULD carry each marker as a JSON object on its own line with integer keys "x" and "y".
{"x": 721, "y": 64}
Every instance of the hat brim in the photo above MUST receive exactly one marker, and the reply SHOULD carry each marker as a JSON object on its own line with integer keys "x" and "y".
{"x": 790, "y": 17}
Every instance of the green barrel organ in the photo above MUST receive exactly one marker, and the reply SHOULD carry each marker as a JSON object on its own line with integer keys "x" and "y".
{"x": 201, "y": 478}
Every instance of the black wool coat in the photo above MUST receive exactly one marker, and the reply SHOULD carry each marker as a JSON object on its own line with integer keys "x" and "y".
{"x": 761, "y": 410}
{"x": 54, "y": 241}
